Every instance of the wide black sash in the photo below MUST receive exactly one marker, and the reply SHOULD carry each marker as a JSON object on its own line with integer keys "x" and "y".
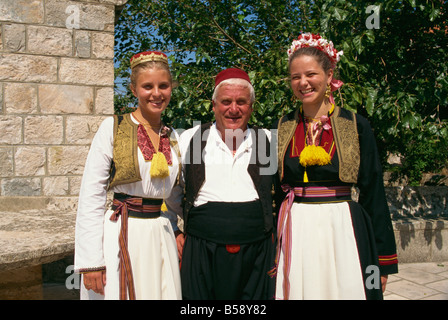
{"x": 228, "y": 222}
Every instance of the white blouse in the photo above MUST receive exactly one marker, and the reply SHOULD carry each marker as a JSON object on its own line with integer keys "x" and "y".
{"x": 93, "y": 194}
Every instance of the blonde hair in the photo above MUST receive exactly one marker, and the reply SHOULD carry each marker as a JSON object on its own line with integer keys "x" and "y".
{"x": 147, "y": 66}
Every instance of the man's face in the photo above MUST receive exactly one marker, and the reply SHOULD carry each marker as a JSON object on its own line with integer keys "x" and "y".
{"x": 232, "y": 108}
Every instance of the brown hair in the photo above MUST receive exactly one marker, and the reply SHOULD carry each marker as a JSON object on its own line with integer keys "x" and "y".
{"x": 320, "y": 57}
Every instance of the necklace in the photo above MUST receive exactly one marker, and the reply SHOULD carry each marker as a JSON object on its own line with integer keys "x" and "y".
{"x": 313, "y": 153}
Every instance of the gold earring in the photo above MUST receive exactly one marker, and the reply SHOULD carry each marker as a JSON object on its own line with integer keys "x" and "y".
{"x": 328, "y": 91}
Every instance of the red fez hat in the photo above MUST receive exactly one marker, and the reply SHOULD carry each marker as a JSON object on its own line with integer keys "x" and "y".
{"x": 231, "y": 73}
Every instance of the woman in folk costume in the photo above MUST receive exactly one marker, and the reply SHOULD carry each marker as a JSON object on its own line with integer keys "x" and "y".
{"x": 330, "y": 247}
{"x": 130, "y": 251}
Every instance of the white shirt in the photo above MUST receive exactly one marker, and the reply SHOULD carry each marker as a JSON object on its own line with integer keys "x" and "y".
{"x": 226, "y": 175}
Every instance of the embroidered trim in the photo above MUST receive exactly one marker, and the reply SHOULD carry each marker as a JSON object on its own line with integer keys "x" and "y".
{"x": 345, "y": 134}
{"x": 92, "y": 269}
{"x": 148, "y": 149}
{"x": 286, "y": 131}
{"x": 388, "y": 260}
{"x": 125, "y": 160}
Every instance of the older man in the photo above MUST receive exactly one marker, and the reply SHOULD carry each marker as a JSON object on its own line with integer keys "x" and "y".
{"x": 225, "y": 196}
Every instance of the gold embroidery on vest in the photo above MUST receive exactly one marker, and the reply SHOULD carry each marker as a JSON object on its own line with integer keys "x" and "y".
{"x": 285, "y": 133}
{"x": 347, "y": 145}
{"x": 125, "y": 156}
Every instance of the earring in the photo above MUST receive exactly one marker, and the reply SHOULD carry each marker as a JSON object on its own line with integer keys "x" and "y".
{"x": 328, "y": 91}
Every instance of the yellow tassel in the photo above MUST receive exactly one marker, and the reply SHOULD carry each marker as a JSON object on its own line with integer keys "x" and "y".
{"x": 305, "y": 177}
{"x": 159, "y": 166}
{"x": 163, "y": 208}
{"x": 314, "y": 155}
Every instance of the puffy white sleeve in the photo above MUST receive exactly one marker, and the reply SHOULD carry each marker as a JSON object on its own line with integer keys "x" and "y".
{"x": 92, "y": 201}
{"x": 174, "y": 201}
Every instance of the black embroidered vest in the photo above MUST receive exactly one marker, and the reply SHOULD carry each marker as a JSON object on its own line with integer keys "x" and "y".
{"x": 195, "y": 175}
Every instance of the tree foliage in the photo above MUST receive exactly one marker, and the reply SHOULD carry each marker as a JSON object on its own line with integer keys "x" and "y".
{"x": 395, "y": 73}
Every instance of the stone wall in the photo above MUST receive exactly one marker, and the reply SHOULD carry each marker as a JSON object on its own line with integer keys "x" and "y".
{"x": 56, "y": 86}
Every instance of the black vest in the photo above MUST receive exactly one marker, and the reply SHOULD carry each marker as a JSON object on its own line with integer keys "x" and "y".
{"x": 195, "y": 176}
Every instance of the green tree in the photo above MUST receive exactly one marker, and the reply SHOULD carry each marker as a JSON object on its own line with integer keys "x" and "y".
{"x": 394, "y": 70}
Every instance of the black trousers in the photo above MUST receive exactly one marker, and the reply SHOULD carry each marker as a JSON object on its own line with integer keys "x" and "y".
{"x": 211, "y": 271}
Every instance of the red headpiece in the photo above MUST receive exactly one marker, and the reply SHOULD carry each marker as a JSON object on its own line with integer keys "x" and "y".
{"x": 148, "y": 56}
{"x": 231, "y": 73}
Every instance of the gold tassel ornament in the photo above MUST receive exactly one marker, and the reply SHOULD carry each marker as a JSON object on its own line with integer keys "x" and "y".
{"x": 314, "y": 156}
{"x": 159, "y": 166}
{"x": 305, "y": 177}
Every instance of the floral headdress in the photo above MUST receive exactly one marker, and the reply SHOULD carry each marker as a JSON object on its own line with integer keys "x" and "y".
{"x": 316, "y": 41}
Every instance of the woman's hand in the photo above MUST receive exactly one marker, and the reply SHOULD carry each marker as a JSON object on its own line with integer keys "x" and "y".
{"x": 383, "y": 282}
{"x": 95, "y": 281}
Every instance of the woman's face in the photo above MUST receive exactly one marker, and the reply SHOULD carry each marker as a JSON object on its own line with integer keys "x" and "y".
{"x": 308, "y": 80}
{"x": 153, "y": 89}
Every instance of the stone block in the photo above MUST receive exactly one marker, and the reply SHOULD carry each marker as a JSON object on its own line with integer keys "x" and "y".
{"x": 74, "y": 185}
{"x": 416, "y": 202}
{"x": 87, "y": 72}
{"x": 1, "y": 38}
{"x": 43, "y": 130}
{"x": 35, "y": 237}
{"x": 20, "y": 98}
{"x": 26, "y": 11}
{"x": 10, "y": 129}
{"x": 421, "y": 240}
{"x": 17, "y": 204}
{"x": 21, "y": 284}
{"x": 103, "y": 45}
{"x": 12, "y": 187}
{"x": 28, "y": 68}
{"x": 59, "y": 205}
{"x": 1, "y": 89}
{"x": 67, "y": 160}
{"x": 6, "y": 160}
{"x": 57, "y": 99}
{"x": 104, "y": 101}
{"x": 50, "y": 41}
{"x": 14, "y": 35}
{"x": 55, "y": 186}
{"x": 77, "y": 15}
{"x": 82, "y": 44}
{"x": 82, "y": 129}
{"x": 30, "y": 161}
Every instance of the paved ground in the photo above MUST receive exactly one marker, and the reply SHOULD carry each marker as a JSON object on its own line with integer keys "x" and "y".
{"x": 415, "y": 281}
{"x": 419, "y": 281}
